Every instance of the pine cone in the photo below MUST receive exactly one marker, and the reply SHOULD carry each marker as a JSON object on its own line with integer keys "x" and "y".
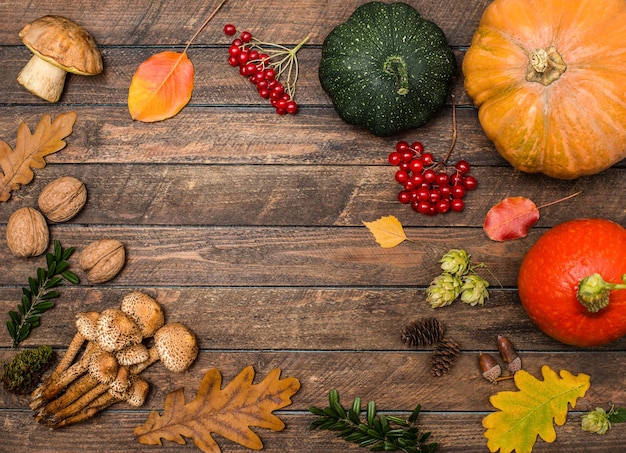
{"x": 423, "y": 332}
{"x": 444, "y": 356}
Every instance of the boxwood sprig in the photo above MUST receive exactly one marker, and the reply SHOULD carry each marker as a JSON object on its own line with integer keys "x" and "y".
{"x": 377, "y": 432}
{"x": 37, "y": 296}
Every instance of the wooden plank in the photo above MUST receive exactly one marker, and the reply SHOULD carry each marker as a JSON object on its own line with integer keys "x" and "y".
{"x": 308, "y": 319}
{"x": 117, "y": 22}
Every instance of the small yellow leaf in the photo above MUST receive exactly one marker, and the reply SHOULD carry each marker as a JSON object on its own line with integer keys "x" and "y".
{"x": 387, "y": 231}
{"x": 531, "y": 412}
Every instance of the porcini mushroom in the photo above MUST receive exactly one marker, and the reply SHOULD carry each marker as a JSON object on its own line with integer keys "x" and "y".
{"x": 59, "y": 45}
{"x": 174, "y": 345}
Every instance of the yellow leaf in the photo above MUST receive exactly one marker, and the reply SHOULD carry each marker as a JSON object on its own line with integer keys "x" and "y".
{"x": 228, "y": 412}
{"x": 387, "y": 231}
{"x": 161, "y": 87}
{"x": 529, "y": 413}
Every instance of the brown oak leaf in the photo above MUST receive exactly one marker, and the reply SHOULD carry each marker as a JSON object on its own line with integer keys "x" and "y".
{"x": 30, "y": 150}
{"x": 229, "y": 412}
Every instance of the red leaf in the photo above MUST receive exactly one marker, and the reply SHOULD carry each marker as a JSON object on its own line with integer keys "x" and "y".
{"x": 161, "y": 87}
{"x": 510, "y": 219}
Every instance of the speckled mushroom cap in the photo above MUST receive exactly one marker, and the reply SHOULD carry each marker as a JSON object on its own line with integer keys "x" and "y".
{"x": 63, "y": 43}
{"x": 176, "y": 345}
{"x": 116, "y": 330}
{"x": 103, "y": 366}
{"x": 135, "y": 394}
{"x": 86, "y": 324}
{"x": 145, "y": 311}
{"x": 133, "y": 354}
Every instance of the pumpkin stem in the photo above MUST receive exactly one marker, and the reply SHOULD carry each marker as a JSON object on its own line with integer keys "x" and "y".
{"x": 593, "y": 292}
{"x": 545, "y": 66}
{"x": 395, "y": 65}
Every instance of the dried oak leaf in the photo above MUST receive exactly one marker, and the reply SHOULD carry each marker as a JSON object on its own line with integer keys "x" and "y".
{"x": 387, "y": 231}
{"x": 30, "y": 150}
{"x": 228, "y": 412}
{"x": 530, "y": 412}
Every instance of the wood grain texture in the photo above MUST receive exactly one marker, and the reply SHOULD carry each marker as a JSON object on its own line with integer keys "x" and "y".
{"x": 247, "y": 227}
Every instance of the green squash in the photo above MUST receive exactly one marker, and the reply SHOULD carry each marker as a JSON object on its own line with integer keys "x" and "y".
{"x": 386, "y": 68}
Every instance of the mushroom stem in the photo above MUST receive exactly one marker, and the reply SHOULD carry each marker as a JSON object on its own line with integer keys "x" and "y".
{"x": 45, "y": 393}
{"x": 80, "y": 387}
{"x": 42, "y": 79}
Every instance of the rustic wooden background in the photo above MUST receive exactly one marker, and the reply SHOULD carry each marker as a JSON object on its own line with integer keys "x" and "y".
{"x": 247, "y": 227}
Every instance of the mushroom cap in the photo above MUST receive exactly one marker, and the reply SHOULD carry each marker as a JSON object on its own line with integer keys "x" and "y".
{"x": 116, "y": 330}
{"x": 103, "y": 366}
{"x": 135, "y": 394}
{"x": 86, "y": 324}
{"x": 133, "y": 354}
{"x": 145, "y": 311}
{"x": 63, "y": 43}
{"x": 176, "y": 345}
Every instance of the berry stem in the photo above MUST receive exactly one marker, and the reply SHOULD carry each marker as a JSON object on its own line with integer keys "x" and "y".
{"x": 593, "y": 292}
{"x": 560, "y": 199}
{"x": 204, "y": 24}
{"x": 454, "y": 131}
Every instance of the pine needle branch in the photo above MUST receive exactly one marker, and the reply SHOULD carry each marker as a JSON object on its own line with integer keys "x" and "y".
{"x": 37, "y": 296}
{"x": 377, "y": 432}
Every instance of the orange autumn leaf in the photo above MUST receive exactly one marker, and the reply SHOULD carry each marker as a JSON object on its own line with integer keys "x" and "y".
{"x": 510, "y": 219}
{"x": 161, "y": 87}
{"x": 229, "y": 412}
{"x": 30, "y": 150}
{"x": 387, "y": 231}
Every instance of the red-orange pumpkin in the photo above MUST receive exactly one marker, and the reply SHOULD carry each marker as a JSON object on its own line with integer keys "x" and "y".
{"x": 552, "y": 270}
{"x": 549, "y": 78}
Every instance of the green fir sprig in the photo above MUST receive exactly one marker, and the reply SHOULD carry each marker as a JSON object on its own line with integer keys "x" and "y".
{"x": 37, "y": 297}
{"x": 377, "y": 432}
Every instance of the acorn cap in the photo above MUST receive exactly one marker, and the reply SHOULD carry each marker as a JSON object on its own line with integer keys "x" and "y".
{"x": 145, "y": 311}
{"x": 176, "y": 345}
{"x": 86, "y": 324}
{"x": 63, "y": 43}
{"x": 116, "y": 330}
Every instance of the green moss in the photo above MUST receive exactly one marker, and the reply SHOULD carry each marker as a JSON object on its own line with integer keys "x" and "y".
{"x": 22, "y": 374}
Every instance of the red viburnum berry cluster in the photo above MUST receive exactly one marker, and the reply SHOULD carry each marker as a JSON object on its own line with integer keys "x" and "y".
{"x": 426, "y": 185}
{"x": 264, "y": 64}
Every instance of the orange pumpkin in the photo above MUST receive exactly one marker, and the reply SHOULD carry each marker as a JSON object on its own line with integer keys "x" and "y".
{"x": 549, "y": 79}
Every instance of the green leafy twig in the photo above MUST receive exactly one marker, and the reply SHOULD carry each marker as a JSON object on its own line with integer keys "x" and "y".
{"x": 377, "y": 432}
{"x": 37, "y": 297}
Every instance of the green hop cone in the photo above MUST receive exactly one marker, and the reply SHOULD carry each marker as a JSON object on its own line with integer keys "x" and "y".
{"x": 443, "y": 290}
{"x": 474, "y": 290}
{"x": 596, "y": 421}
{"x": 455, "y": 262}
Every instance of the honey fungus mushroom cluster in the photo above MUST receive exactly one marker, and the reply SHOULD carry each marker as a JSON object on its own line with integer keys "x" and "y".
{"x": 114, "y": 353}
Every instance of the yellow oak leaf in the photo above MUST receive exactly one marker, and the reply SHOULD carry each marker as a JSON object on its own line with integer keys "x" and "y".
{"x": 529, "y": 413}
{"x": 387, "y": 231}
{"x": 30, "y": 151}
{"x": 228, "y": 412}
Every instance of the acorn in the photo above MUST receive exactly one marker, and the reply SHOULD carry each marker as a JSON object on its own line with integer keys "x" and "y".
{"x": 509, "y": 355}
{"x": 489, "y": 367}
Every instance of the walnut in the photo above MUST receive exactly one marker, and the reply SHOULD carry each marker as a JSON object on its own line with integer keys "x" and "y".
{"x": 62, "y": 199}
{"x": 102, "y": 260}
{"x": 27, "y": 233}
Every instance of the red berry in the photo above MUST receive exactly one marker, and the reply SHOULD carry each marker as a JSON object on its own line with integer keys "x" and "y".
{"x": 264, "y": 93}
{"x": 243, "y": 57}
{"x": 407, "y": 155}
{"x": 417, "y": 147}
{"x": 404, "y": 166}
{"x": 292, "y": 107}
{"x": 270, "y": 74}
{"x": 233, "y": 61}
{"x": 281, "y": 111}
{"x": 404, "y": 196}
{"x": 418, "y": 179}
{"x": 416, "y": 165}
{"x": 408, "y": 185}
{"x": 457, "y": 205}
{"x": 445, "y": 191}
{"x": 429, "y": 176}
{"x": 422, "y": 193}
{"x": 246, "y": 36}
{"x": 456, "y": 179}
{"x": 422, "y": 207}
{"x": 442, "y": 178}
{"x": 254, "y": 55}
{"x": 458, "y": 191}
{"x": 394, "y": 158}
{"x": 462, "y": 166}
{"x": 234, "y": 50}
{"x": 469, "y": 182}
{"x": 428, "y": 159}
{"x": 401, "y": 176}
{"x": 402, "y": 146}
{"x": 434, "y": 196}
{"x": 443, "y": 206}
{"x": 237, "y": 42}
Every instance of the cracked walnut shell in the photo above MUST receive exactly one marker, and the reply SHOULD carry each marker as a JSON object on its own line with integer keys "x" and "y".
{"x": 27, "y": 233}
{"x": 102, "y": 260}
{"x": 62, "y": 198}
